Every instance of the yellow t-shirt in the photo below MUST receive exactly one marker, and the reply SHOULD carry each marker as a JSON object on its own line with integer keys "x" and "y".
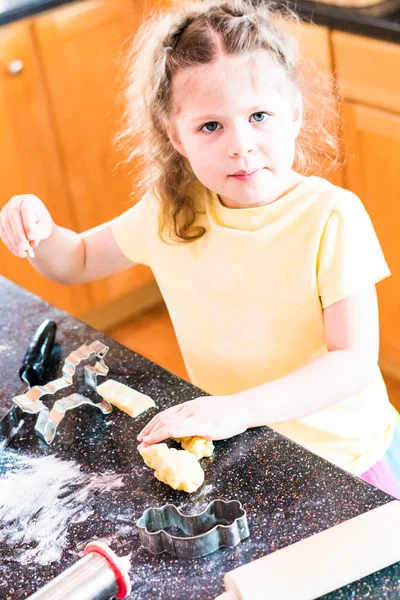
{"x": 246, "y": 301}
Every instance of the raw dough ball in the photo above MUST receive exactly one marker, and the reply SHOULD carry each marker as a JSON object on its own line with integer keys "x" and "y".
{"x": 177, "y": 468}
{"x": 125, "y": 398}
{"x": 199, "y": 446}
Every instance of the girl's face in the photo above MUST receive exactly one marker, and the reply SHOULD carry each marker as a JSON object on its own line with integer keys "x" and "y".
{"x": 237, "y": 114}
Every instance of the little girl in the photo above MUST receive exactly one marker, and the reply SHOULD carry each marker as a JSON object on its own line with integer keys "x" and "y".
{"x": 269, "y": 276}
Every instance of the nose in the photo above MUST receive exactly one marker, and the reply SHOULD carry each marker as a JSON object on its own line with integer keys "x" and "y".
{"x": 240, "y": 141}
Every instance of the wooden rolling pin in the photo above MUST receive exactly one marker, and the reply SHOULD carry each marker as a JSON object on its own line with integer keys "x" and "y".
{"x": 323, "y": 562}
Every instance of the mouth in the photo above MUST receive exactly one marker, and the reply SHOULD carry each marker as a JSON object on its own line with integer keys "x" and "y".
{"x": 244, "y": 175}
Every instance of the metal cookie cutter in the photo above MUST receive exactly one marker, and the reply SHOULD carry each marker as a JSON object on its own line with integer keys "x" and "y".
{"x": 222, "y": 523}
{"x": 47, "y": 421}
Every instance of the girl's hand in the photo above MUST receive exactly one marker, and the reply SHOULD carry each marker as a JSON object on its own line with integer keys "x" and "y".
{"x": 212, "y": 417}
{"x": 24, "y": 222}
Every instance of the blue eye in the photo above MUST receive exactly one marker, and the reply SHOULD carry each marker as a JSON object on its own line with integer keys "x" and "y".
{"x": 264, "y": 115}
{"x": 261, "y": 113}
{"x": 209, "y": 123}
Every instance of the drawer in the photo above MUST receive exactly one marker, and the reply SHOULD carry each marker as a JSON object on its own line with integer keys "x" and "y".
{"x": 368, "y": 70}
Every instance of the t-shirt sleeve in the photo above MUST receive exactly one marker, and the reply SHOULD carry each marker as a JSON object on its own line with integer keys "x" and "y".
{"x": 350, "y": 256}
{"x": 135, "y": 230}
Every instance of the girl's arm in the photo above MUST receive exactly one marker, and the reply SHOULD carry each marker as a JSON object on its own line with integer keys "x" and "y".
{"x": 27, "y": 229}
{"x": 352, "y": 340}
{"x": 70, "y": 258}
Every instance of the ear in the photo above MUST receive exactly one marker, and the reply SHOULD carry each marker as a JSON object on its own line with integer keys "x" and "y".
{"x": 174, "y": 137}
{"x": 297, "y": 113}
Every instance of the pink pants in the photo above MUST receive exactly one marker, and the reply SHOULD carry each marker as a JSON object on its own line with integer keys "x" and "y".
{"x": 385, "y": 474}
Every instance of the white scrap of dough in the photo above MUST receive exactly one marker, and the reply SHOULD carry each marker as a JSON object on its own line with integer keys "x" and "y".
{"x": 177, "y": 468}
{"x": 125, "y": 398}
{"x": 199, "y": 446}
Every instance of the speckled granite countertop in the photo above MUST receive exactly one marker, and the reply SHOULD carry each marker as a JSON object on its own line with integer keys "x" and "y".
{"x": 91, "y": 482}
{"x": 386, "y": 27}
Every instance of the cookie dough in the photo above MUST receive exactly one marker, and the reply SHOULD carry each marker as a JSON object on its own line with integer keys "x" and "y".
{"x": 199, "y": 446}
{"x": 177, "y": 468}
{"x": 125, "y": 398}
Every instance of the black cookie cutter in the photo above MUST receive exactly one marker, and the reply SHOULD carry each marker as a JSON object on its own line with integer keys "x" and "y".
{"x": 222, "y": 523}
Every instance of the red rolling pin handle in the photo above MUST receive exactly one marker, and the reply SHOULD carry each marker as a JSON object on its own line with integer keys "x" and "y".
{"x": 120, "y": 566}
{"x": 98, "y": 575}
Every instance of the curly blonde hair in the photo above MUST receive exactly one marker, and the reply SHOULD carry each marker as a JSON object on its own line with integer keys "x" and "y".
{"x": 189, "y": 34}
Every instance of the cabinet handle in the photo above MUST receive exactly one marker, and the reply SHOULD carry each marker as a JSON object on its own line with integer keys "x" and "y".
{"x": 15, "y": 67}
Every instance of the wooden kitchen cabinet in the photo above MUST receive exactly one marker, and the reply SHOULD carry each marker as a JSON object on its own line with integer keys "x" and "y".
{"x": 372, "y": 139}
{"x": 30, "y": 160}
{"x": 81, "y": 48}
{"x": 368, "y": 70}
{"x": 313, "y": 43}
{"x": 314, "y": 46}
{"x": 368, "y": 74}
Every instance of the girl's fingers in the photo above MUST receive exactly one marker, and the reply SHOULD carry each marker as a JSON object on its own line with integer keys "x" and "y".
{"x": 158, "y": 426}
{"x": 146, "y": 430}
{"x": 168, "y": 414}
{"x": 142, "y": 445}
{"x": 186, "y": 428}
{"x": 156, "y": 422}
{"x": 29, "y": 217}
{"x": 6, "y": 234}
{"x": 21, "y": 242}
{"x": 2, "y": 233}
{"x": 155, "y": 437}
{"x": 24, "y": 223}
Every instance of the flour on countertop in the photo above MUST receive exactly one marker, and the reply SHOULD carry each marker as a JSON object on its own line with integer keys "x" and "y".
{"x": 13, "y": 432}
{"x": 198, "y": 501}
{"x": 40, "y": 497}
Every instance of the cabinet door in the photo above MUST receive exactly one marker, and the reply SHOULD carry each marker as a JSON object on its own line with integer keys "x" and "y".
{"x": 368, "y": 70}
{"x": 372, "y": 140}
{"x": 313, "y": 43}
{"x": 81, "y": 47}
{"x": 314, "y": 46}
{"x": 30, "y": 162}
